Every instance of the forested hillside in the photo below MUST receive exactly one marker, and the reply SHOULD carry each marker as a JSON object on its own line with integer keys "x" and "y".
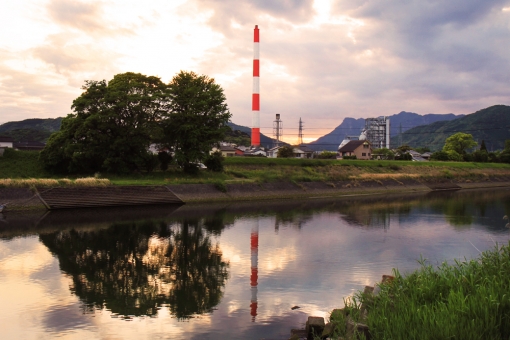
{"x": 35, "y": 129}
{"x": 491, "y": 125}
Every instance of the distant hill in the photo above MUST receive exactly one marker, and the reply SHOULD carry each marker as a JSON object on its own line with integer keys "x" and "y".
{"x": 491, "y": 125}
{"x": 353, "y": 127}
{"x": 265, "y": 141}
{"x": 35, "y": 129}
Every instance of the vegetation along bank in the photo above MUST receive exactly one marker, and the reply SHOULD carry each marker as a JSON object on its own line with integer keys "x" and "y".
{"x": 260, "y": 178}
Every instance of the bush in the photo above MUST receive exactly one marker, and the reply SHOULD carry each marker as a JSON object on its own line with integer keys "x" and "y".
{"x": 214, "y": 162}
{"x": 439, "y": 156}
{"x": 454, "y": 156}
{"x": 327, "y": 155}
{"x": 480, "y": 156}
{"x": 286, "y": 152}
{"x": 164, "y": 159}
{"x": 350, "y": 157}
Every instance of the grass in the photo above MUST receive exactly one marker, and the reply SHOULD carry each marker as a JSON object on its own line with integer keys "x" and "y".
{"x": 50, "y": 182}
{"x": 25, "y": 165}
{"x": 463, "y": 300}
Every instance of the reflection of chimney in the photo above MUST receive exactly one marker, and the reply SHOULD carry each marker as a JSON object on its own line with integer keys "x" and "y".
{"x": 254, "y": 269}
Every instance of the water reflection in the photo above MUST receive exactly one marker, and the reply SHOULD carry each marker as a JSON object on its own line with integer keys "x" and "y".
{"x": 133, "y": 269}
{"x": 249, "y": 262}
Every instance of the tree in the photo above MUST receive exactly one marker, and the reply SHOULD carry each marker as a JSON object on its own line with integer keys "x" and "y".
{"x": 383, "y": 153}
{"x": 439, "y": 156}
{"x": 482, "y": 146}
{"x": 214, "y": 162}
{"x": 286, "y": 151}
{"x": 111, "y": 128}
{"x": 459, "y": 142}
{"x": 196, "y": 120}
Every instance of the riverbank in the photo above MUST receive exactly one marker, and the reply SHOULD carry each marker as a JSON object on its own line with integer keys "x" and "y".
{"x": 33, "y": 198}
{"x": 463, "y": 300}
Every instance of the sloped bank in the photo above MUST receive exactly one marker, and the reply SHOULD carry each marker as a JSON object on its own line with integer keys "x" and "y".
{"x": 244, "y": 191}
{"x": 33, "y": 198}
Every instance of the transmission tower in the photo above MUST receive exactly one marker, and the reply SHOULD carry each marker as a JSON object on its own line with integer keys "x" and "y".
{"x": 277, "y": 130}
{"x": 300, "y": 134}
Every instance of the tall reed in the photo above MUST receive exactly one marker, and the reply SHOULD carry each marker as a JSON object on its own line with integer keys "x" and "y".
{"x": 468, "y": 299}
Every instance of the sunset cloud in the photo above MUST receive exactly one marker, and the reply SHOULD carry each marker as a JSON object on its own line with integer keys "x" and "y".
{"x": 321, "y": 60}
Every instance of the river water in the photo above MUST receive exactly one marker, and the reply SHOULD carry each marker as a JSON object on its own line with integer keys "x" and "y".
{"x": 224, "y": 271}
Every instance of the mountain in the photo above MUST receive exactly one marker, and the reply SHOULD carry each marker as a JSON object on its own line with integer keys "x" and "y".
{"x": 34, "y": 130}
{"x": 491, "y": 124}
{"x": 353, "y": 127}
{"x": 265, "y": 141}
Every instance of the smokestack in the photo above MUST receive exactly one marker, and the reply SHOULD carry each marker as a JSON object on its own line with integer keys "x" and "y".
{"x": 255, "y": 100}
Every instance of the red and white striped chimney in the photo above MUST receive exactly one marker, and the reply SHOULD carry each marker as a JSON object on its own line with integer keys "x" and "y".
{"x": 255, "y": 100}
{"x": 254, "y": 247}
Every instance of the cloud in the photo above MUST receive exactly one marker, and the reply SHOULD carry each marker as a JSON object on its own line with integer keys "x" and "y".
{"x": 84, "y": 16}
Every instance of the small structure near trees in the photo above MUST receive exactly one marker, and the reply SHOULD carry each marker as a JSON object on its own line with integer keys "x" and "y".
{"x": 360, "y": 149}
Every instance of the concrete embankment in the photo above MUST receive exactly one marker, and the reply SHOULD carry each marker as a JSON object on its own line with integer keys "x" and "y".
{"x": 40, "y": 198}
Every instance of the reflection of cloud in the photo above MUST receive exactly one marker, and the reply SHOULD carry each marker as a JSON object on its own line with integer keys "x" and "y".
{"x": 63, "y": 318}
{"x": 277, "y": 259}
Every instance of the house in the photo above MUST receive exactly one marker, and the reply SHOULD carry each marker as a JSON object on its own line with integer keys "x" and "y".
{"x": 29, "y": 146}
{"x": 255, "y": 152}
{"x": 239, "y": 152}
{"x": 5, "y": 142}
{"x": 303, "y": 151}
{"x": 416, "y": 156}
{"x": 359, "y": 148}
{"x": 273, "y": 152}
{"x": 226, "y": 150}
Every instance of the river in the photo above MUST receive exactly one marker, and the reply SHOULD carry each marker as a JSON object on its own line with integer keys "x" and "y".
{"x": 224, "y": 271}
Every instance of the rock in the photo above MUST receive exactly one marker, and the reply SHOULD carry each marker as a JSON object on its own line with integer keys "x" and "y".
{"x": 298, "y": 334}
{"x": 356, "y": 328}
{"x": 314, "y": 326}
{"x": 328, "y": 330}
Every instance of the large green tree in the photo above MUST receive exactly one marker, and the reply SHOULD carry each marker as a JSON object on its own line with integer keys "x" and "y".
{"x": 111, "y": 128}
{"x": 459, "y": 142}
{"x": 196, "y": 120}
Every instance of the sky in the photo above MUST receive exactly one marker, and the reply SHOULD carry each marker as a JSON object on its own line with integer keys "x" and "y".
{"x": 321, "y": 60}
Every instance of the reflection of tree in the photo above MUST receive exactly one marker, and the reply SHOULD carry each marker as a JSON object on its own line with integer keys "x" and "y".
{"x": 196, "y": 272}
{"x": 292, "y": 218}
{"x": 134, "y": 268}
{"x": 374, "y": 215}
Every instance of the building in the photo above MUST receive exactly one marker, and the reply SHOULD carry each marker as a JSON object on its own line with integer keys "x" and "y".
{"x": 29, "y": 146}
{"x": 226, "y": 150}
{"x": 377, "y": 132}
{"x": 359, "y": 148}
{"x": 5, "y": 142}
{"x": 303, "y": 151}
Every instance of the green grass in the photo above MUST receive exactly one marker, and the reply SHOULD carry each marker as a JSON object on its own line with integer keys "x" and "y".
{"x": 468, "y": 299}
{"x": 359, "y": 163}
{"x": 25, "y": 164}
{"x": 21, "y": 164}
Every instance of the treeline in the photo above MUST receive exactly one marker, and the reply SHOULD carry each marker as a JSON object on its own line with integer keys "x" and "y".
{"x": 114, "y": 123}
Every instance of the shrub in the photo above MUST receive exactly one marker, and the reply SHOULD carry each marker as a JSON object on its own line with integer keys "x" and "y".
{"x": 439, "y": 156}
{"x": 327, "y": 155}
{"x": 164, "y": 159}
{"x": 214, "y": 162}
